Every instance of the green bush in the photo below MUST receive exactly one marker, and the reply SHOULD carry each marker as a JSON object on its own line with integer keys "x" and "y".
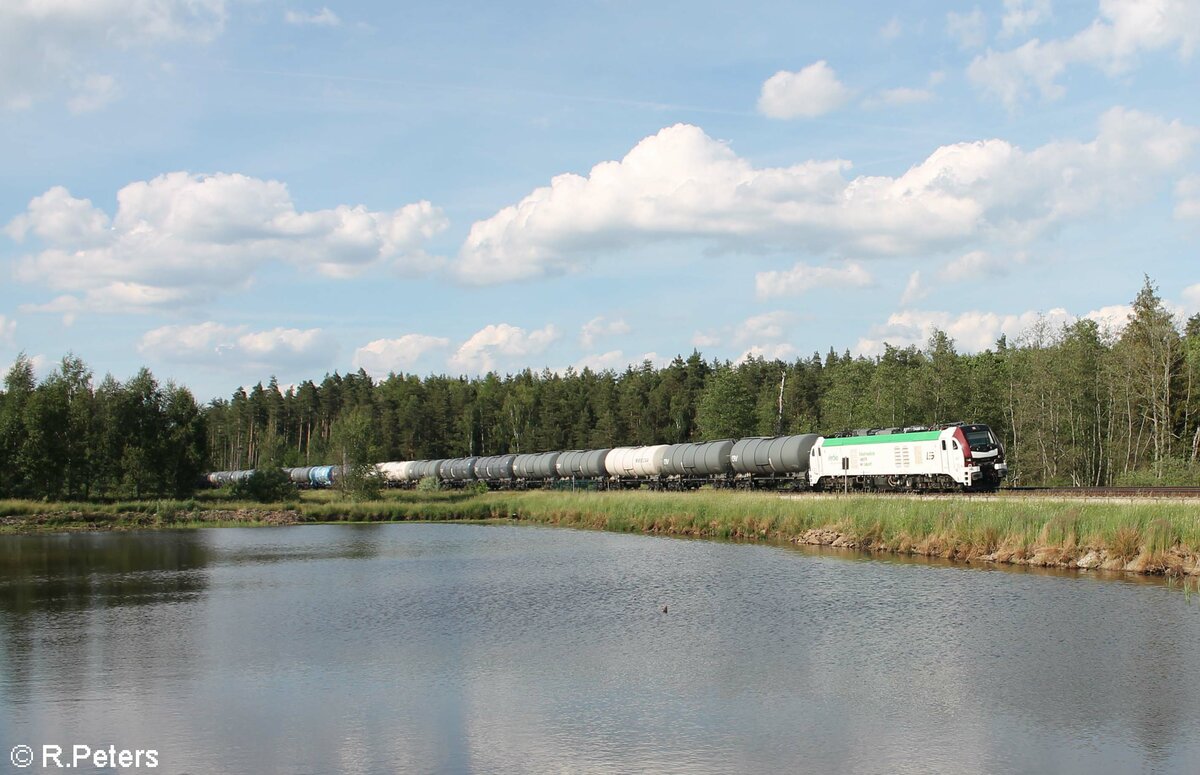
{"x": 266, "y": 485}
{"x": 362, "y": 483}
{"x": 1169, "y": 472}
{"x": 429, "y": 484}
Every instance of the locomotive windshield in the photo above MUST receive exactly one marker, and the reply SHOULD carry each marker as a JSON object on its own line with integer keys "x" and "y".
{"x": 980, "y": 437}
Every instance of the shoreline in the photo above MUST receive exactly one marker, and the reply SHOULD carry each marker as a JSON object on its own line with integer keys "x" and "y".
{"x": 1135, "y": 538}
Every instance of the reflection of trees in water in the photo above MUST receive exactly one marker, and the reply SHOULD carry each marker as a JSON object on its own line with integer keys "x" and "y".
{"x": 59, "y": 593}
{"x": 79, "y": 571}
{"x": 1163, "y": 701}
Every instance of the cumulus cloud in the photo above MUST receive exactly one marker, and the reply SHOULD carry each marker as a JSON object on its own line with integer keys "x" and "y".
{"x": 969, "y": 30}
{"x": 971, "y": 331}
{"x": 781, "y": 351}
{"x": 321, "y": 18}
{"x": 237, "y": 348}
{"x": 979, "y": 263}
{"x": 613, "y": 360}
{"x": 599, "y": 327}
{"x": 682, "y": 184}
{"x": 811, "y": 92}
{"x": 479, "y": 353}
{"x": 114, "y": 298}
{"x": 1115, "y": 317}
{"x": 760, "y": 335}
{"x": 1022, "y": 15}
{"x": 1187, "y": 197}
{"x": 802, "y": 278}
{"x": 181, "y": 238}
{"x": 975, "y": 331}
{"x": 1113, "y": 42}
{"x": 8, "y": 330}
{"x": 386, "y": 356}
{"x": 53, "y": 48}
{"x": 41, "y": 364}
{"x": 913, "y": 290}
{"x": 701, "y": 339}
{"x": 1191, "y": 299}
{"x": 769, "y": 325}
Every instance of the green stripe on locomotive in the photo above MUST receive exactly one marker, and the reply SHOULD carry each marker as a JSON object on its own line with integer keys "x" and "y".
{"x": 889, "y": 438}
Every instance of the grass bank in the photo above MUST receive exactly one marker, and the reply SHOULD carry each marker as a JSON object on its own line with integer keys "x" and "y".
{"x": 1137, "y": 537}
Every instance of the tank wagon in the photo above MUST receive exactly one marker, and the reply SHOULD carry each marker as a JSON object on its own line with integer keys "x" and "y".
{"x": 948, "y": 457}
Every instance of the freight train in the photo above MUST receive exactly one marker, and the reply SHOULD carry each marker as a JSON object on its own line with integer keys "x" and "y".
{"x": 951, "y": 457}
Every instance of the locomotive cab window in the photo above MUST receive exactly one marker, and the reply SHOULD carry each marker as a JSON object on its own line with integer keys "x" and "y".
{"x": 954, "y": 444}
{"x": 943, "y": 444}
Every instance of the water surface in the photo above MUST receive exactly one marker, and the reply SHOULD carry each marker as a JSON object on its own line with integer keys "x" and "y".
{"x": 476, "y": 648}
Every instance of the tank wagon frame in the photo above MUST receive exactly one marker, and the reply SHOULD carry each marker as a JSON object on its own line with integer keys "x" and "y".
{"x": 916, "y": 459}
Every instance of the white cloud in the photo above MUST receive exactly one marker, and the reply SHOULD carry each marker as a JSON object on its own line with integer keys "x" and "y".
{"x": 769, "y": 325}
{"x": 41, "y": 365}
{"x": 613, "y": 359}
{"x": 52, "y": 47}
{"x": 913, "y": 290}
{"x": 384, "y": 356}
{"x": 179, "y": 238}
{"x": 701, "y": 339}
{"x": 802, "y": 278}
{"x": 8, "y": 330}
{"x": 899, "y": 97}
{"x": 971, "y": 331}
{"x": 321, "y": 18}
{"x": 682, "y": 184}
{"x": 656, "y": 360}
{"x": 1022, "y": 15}
{"x": 599, "y": 327}
{"x": 969, "y": 30}
{"x": 237, "y": 348}
{"x": 115, "y": 298}
{"x": 1113, "y": 42}
{"x": 814, "y": 91}
{"x": 1191, "y": 299}
{"x": 781, "y": 351}
{"x": 478, "y": 354}
{"x": 1187, "y": 197}
{"x": 1114, "y": 317}
{"x": 975, "y": 331}
{"x": 892, "y": 30}
{"x": 977, "y": 264}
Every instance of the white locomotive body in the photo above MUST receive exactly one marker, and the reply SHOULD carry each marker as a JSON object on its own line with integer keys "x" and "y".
{"x": 958, "y": 457}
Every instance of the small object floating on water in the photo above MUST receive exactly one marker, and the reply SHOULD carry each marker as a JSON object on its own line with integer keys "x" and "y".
{"x": 664, "y": 609}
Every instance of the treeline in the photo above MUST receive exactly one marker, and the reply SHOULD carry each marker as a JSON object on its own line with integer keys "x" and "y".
{"x": 1074, "y": 405}
{"x": 67, "y": 438}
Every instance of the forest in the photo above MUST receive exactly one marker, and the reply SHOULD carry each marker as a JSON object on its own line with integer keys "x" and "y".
{"x": 1074, "y": 405}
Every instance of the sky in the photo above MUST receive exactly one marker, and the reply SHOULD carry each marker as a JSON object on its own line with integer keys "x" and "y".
{"x": 229, "y": 190}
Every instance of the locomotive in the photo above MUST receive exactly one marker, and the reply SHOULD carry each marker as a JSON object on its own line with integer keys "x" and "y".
{"x": 943, "y": 458}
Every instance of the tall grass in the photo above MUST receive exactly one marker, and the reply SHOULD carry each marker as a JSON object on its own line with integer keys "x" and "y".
{"x": 1139, "y": 536}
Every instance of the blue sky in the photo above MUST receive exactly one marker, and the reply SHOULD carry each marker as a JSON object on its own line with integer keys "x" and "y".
{"x": 225, "y": 191}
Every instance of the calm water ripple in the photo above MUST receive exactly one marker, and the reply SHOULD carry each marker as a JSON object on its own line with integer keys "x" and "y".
{"x": 471, "y": 648}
